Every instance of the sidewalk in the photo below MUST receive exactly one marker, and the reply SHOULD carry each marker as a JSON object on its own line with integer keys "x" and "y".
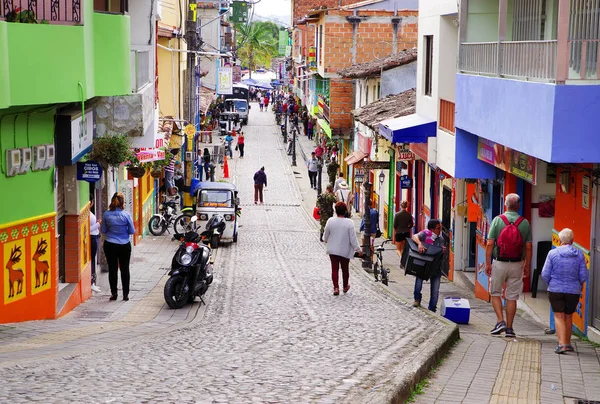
{"x": 492, "y": 369}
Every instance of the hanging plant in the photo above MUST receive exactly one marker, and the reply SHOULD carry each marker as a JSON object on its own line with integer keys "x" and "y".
{"x": 112, "y": 150}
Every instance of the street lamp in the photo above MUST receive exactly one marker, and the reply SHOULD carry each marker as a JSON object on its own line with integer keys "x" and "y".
{"x": 367, "y": 263}
{"x": 319, "y": 175}
{"x": 294, "y": 148}
{"x": 381, "y": 180}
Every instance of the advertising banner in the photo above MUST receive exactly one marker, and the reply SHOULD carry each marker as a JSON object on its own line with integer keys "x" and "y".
{"x": 283, "y": 42}
{"x": 312, "y": 59}
{"x": 512, "y": 161}
{"x": 225, "y": 85}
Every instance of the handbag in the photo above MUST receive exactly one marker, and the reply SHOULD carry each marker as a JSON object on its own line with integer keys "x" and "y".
{"x": 316, "y": 213}
{"x": 236, "y": 147}
{"x": 378, "y": 232}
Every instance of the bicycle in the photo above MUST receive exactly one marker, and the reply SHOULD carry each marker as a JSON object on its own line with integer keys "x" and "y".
{"x": 378, "y": 268}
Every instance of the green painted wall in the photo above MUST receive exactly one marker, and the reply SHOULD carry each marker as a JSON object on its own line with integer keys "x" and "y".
{"x": 112, "y": 70}
{"x": 30, "y": 194}
{"x": 43, "y": 63}
{"x": 84, "y": 193}
{"x": 482, "y": 22}
{"x": 4, "y": 88}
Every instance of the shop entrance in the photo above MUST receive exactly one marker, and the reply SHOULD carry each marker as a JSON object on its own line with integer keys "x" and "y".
{"x": 596, "y": 265}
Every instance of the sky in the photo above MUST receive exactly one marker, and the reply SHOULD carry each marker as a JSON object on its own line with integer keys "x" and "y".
{"x": 267, "y": 8}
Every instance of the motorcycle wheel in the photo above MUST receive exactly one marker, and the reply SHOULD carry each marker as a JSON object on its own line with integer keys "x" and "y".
{"x": 156, "y": 226}
{"x": 174, "y": 295}
{"x": 214, "y": 241}
{"x": 181, "y": 222}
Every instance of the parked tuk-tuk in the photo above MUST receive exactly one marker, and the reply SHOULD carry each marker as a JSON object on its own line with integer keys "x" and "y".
{"x": 218, "y": 198}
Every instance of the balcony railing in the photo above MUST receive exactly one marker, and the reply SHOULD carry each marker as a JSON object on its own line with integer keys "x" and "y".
{"x": 41, "y": 11}
{"x": 141, "y": 69}
{"x": 531, "y": 60}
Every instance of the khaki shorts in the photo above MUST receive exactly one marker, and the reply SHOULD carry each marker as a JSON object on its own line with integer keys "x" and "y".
{"x": 510, "y": 273}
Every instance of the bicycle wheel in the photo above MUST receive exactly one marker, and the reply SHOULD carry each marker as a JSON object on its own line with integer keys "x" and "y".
{"x": 180, "y": 225}
{"x": 376, "y": 271}
{"x": 384, "y": 276}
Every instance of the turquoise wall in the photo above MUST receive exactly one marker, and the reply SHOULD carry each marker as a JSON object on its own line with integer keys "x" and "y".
{"x": 59, "y": 57}
{"x": 30, "y": 194}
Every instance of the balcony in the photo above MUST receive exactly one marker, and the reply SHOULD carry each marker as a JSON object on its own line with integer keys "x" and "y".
{"x": 550, "y": 41}
{"x": 532, "y": 60}
{"x": 67, "y": 12}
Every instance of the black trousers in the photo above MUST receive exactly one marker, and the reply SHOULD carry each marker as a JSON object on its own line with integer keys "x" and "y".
{"x": 312, "y": 176}
{"x": 117, "y": 257}
{"x": 94, "y": 245}
{"x": 241, "y": 149}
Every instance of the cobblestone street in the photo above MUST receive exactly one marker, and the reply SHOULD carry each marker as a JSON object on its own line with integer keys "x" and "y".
{"x": 272, "y": 330}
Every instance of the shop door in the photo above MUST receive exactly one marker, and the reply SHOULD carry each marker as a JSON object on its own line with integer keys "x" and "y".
{"x": 446, "y": 208}
{"x": 59, "y": 195}
{"x": 420, "y": 188}
{"x": 595, "y": 268}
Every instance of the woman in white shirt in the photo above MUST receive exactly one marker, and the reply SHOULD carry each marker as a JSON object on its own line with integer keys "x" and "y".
{"x": 94, "y": 234}
{"x": 341, "y": 245}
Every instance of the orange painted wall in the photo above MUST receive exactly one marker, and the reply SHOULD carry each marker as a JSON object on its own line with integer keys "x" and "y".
{"x": 35, "y": 301}
{"x": 569, "y": 211}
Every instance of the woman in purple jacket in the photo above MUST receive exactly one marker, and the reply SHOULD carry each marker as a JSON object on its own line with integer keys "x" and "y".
{"x": 564, "y": 272}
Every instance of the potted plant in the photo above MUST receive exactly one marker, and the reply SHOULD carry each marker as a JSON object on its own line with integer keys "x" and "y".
{"x": 111, "y": 150}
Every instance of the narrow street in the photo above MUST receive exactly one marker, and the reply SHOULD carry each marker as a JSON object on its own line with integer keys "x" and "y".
{"x": 271, "y": 331}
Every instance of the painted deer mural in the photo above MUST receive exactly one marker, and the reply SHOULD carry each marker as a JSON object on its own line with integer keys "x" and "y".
{"x": 42, "y": 269}
{"x": 14, "y": 275}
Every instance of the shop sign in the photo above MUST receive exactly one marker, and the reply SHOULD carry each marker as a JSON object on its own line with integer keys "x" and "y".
{"x": 406, "y": 182}
{"x": 404, "y": 153}
{"x": 225, "y": 85}
{"x": 359, "y": 178}
{"x": 89, "y": 171}
{"x": 512, "y": 161}
{"x": 148, "y": 155}
{"x": 76, "y": 134}
{"x": 376, "y": 165}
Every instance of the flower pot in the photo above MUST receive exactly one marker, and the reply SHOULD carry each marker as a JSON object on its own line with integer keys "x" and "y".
{"x": 137, "y": 172}
{"x": 156, "y": 173}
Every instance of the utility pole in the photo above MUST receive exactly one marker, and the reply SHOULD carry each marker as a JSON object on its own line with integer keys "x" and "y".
{"x": 367, "y": 263}
{"x": 192, "y": 37}
{"x": 294, "y": 149}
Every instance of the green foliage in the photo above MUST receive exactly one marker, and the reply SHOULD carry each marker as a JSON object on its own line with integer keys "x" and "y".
{"x": 112, "y": 150}
{"x": 25, "y": 16}
{"x": 257, "y": 43}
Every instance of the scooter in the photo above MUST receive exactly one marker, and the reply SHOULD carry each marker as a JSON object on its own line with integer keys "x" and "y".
{"x": 191, "y": 270}
{"x": 213, "y": 231}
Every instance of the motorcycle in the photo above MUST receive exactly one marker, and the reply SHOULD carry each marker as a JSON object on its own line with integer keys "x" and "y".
{"x": 160, "y": 222}
{"x": 278, "y": 118}
{"x": 191, "y": 270}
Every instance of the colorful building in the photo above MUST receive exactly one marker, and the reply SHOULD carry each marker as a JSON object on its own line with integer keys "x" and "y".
{"x": 47, "y": 124}
{"x": 527, "y": 97}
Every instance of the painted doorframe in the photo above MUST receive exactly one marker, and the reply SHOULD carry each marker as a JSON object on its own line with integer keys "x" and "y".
{"x": 391, "y": 193}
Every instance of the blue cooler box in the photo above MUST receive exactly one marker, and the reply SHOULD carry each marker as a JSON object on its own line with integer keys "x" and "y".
{"x": 456, "y": 309}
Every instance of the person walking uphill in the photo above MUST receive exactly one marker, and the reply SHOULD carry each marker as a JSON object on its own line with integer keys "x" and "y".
{"x": 313, "y": 168}
{"x": 118, "y": 226}
{"x": 240, "y": 144}
{"x": 332, "y": 170}
{"x": 431, "y": 236}
{"x": 325, "y": 203}
{"x": 260, "y": 181}
{"x": 403, "y": 223}
{"x": 341, "y": 245}
{"x": 509, "y": 243}
{"x": 565, "y": 272}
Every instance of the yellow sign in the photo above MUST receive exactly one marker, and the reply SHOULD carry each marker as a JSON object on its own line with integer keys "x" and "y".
{"x": 190, "y": 130}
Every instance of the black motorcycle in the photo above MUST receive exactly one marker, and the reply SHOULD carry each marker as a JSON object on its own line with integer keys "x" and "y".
{"x": 160, "y": 222}
{"x": 191, "y": 270}
{"x": 213, "y": 231}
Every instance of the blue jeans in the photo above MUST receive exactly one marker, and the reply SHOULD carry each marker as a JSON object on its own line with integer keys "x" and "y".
{"x": 435, "y": 291}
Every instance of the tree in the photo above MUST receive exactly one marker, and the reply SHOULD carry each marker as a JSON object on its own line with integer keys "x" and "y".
{"x": 255, "y": 45}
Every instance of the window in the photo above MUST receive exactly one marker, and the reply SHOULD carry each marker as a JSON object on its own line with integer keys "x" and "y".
{"x": 359, "y": 103}
{"x": 111, "y": 6}
{"x": 428, "y": 39}
{"x": 378, "y": 90}
{"x": 366, "y": 95}
{"x": 320, "y": 52}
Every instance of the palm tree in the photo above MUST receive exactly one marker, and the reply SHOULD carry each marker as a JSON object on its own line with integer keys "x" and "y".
{"x": 256, "y": 45}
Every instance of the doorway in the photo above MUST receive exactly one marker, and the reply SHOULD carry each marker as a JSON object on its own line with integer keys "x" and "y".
{"x": 446, "y": 208}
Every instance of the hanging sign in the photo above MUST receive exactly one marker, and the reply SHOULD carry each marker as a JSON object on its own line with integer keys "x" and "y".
{"x": 404, "y": 153}
{"x": 512, "y": 161}
{"x": 406, "y": 182}
{"x": 225, "y": 85}
{"x": 376, "y": 165}
{"x": 89, "y": 171}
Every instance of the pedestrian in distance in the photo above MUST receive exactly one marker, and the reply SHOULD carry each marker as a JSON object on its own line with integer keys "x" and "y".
{"x": 564, "y": 272}
{"x": 313, "y": 167}
{"x": 170, "y": 174}
{"x": 509, "y": 244}
{"x": 266, "y": 102}
{"x": 117, "y": 225}
{"x": 374, "y": 228}
{"x": 325, "y": 203}
{"x": 432, "y": 236}
{"x": 228, "y": 141}
{"x": 261, "y": 102}
{"x": 339, "y": 179}
{"x": 403, "y": 224}
{"x": 94, "y": 234}
{"x": 260, "y": 182}
{"x": 332, "y": 170}
{"x": 319, "y": 151}
{"x": 342, "y": 244}
{"x": 309, "y": 129}
{"x": 344, "y": 195}
{"x": 240, "y": 144}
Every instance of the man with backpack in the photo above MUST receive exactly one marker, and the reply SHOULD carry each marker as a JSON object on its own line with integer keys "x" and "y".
{"x": 509, "y": 243}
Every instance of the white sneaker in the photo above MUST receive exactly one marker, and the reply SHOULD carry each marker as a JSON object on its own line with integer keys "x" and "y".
{"x": 96, "y": 288}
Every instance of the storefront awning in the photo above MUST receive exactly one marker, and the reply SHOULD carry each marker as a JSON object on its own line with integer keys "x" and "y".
{"x": 325, "y": 126}
{"x": 413, "y": 128}
{"x": 355, "y": 157}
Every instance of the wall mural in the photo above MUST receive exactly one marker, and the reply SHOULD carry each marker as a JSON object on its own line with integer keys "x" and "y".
{"x": 27, "y": 255}
{"x": 84, "y": 237}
